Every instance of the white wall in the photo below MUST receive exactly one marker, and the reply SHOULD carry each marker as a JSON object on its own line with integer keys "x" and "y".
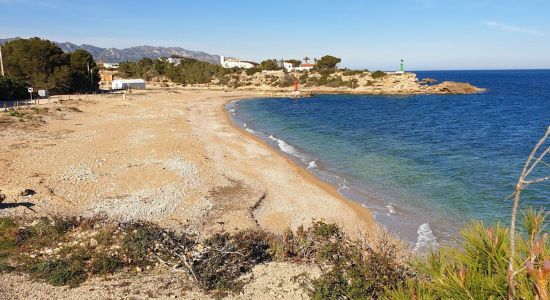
{"x": 288, "y": 66}
{"x": 128, "y": 84}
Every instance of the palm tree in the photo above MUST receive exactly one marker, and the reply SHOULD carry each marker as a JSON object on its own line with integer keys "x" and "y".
{"x": 306, "y": 59}
{"x": 315, "y": 60}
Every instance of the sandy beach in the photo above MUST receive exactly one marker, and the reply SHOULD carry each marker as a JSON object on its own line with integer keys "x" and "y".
{"x": 173, "y": 158}
{"x": 169, "y": 157}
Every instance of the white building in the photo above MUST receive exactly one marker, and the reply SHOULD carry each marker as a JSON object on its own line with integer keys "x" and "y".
{"x": 176, "y": 61}
{"x": 230, "y": 62}
{"x": 288, "y": 66}
{"x": 305, "y": 67}
{"x": 127, "y": 84}
{"x": 111, "y": 65}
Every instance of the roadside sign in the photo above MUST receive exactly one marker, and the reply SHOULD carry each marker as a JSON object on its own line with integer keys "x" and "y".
{"x": 43, "y": 93}
{"x": 30, "y": 93}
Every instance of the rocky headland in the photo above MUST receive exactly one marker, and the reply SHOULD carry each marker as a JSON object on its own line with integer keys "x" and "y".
{"x": 319, "y": 82}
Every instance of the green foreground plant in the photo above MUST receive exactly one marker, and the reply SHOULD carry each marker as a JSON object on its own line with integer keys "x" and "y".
{"x": 477, "y": 266}
{"x": 377, "y": 265}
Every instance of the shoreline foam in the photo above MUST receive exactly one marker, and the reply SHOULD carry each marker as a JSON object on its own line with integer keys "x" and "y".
{"x": 384, "y": 213}
{"x": 360, "y": 210}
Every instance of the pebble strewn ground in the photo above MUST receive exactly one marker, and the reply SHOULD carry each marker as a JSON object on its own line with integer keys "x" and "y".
{"x": 180, "y": 165}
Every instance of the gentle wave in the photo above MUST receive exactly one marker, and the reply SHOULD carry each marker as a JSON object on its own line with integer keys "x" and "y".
{"x": 426, "y": 240}
{"x": 391, "y": 209}
{"x": 347, "y": 189}
{"x": 285, "y": 147}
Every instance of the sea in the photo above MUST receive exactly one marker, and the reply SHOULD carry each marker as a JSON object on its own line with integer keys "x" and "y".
{"x": 424, "y": 165}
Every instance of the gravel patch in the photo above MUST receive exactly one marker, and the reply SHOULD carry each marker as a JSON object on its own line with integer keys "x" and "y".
{"x": 141, "y": 136}
{"x": 178, "y": 165}
{"x": 79, "y": 173}
{"x": 146, "y": 204}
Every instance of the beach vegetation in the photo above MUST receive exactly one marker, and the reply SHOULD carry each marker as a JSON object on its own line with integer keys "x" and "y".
{"x": 189, "y": 71}
{"x": 378, "y": 74}
{"x": 353, "y": 83}
{"x": 269, "y": 65}
{"x": 477, "y": 266}
{"x": 12, "y": 88}
{"x": 286, "y": 81}
{"x": 41, "y": 64}
{"x": 294, "y": 62}
{"x": 17, "y": 114}
{"x": 304, "y": 77}
{"x": 252, "y": 71}
{"x": 68, "y": 251}
{"x": 327, "y": 62}
{"x": 353, "y": 72}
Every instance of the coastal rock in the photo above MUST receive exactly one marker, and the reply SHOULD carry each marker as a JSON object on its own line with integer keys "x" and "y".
{"x": 336, "y": 82}
{"x": 449, "y": 87}
{"x": 428, "y": 80}
{"x": 27, "y": 192}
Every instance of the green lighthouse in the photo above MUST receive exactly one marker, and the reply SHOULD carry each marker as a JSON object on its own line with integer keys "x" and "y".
{"x": 401, "y": 68}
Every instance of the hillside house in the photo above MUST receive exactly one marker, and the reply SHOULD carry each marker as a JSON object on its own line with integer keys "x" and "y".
{"x": 175, "y": 60}
{"x": 288, "y": 66}
{"x": 111, "y": 65}
{"x": 231, "y": 62}
{"x": 304, "y": 67}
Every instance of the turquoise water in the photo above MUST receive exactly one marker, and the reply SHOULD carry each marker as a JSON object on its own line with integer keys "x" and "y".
{"x": 424, "y": 164}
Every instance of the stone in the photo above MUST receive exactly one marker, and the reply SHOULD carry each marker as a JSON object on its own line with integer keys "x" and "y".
{"x": 27, "y": 193}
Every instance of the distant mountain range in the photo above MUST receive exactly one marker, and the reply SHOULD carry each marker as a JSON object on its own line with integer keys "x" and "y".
{"x": 114, "y": 55}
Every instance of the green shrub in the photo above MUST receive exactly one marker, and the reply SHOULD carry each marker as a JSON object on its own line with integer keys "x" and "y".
{"x": 8, "y": 231}
{"x": 352, "y": 72}
{"x": 225, "y": 257}
{"x": 138, "y": 242}
{"x": 356, "y": 270}
{"x": 476, "y": 267}
{"x": 105, "y": 264}
{"x": 286, "y": 81}
{"x": 252, "y": 71}
{"x": 378, "y": 74}
{"x": 17, "y": 114}
{"x": 44, "y": 233}
{"x": 12, "y": 89}
{"x": 59, "y": 271}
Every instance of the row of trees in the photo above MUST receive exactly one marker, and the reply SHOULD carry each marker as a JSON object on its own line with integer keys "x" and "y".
{"x": 192, "y": 71}
{"x": 189, "y": 71}
{"x": 327, "y": 62}
{"x": 41, "y": 64}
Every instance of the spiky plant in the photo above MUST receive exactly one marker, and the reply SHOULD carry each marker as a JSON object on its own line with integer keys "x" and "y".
{"x": 477, "y": 266}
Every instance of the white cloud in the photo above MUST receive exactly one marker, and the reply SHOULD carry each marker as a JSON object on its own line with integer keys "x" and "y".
{"x": 511, "y": 28}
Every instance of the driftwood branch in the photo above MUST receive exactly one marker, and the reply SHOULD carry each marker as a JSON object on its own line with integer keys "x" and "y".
{"x": 529, "y": 166}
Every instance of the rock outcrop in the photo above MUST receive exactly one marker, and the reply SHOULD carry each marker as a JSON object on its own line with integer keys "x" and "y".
{"x": 342, "y": 82}
{"x": 449, "y": 87}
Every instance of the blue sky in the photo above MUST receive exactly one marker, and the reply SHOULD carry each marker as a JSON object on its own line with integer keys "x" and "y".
{"x": 428, "y": 34}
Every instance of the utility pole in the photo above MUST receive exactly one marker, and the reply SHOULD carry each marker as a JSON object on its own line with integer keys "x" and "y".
{"x": 90, "y": 75}
{"x": 1, "y": 63}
